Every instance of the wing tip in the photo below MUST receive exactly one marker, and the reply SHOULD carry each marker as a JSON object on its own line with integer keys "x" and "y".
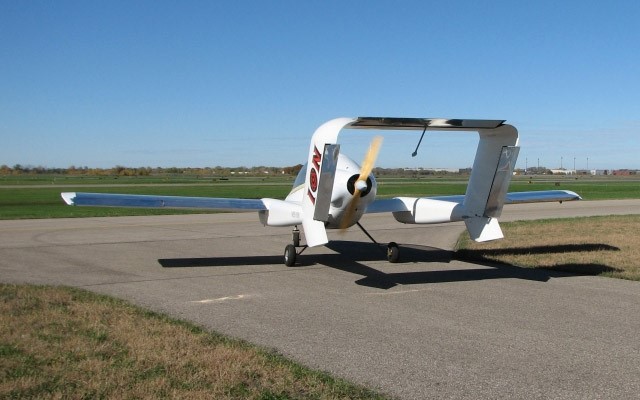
{"x": 574, "y": 194}
{"x": 69, "y": 198}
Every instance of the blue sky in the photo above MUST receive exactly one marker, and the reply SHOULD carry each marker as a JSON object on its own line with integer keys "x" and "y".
{"x": 190, "y": 83}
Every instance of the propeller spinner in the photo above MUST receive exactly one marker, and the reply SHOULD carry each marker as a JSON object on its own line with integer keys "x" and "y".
{"x": 362, "y": 184}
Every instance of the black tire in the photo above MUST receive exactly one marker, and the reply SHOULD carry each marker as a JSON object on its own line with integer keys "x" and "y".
{"x": 290, "y": 255}
{"x": 393, "y": 252}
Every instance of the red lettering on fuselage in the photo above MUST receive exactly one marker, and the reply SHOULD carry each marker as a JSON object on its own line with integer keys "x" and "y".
{"x": 316, "y": 161}
{"x": 313, "y": 180}
{"x": 317, "y": 158}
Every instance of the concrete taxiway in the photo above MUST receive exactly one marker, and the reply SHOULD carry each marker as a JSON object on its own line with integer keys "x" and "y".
{"x": 428, "y": 327}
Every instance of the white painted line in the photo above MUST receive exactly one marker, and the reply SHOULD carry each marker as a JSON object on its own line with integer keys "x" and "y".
{"x": 395, "y": 292}
{"x": 222, "y": 299}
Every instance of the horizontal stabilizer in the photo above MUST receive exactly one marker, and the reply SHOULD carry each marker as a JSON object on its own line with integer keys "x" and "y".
{"x": 423, "y": 123}
{"x": 146, "y": 201}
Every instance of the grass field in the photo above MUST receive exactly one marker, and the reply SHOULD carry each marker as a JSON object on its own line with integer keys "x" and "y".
{"x": 606, "y": 246}
{"x": 69, "y": 343}
{"x": 45, "y": 202}
{"x": 590, "y": 188}
{"x": 39, "y": 197}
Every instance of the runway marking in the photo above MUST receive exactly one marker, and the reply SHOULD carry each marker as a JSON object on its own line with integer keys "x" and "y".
{"x": 223, "y": 299}
{"x": 396, "y": 292}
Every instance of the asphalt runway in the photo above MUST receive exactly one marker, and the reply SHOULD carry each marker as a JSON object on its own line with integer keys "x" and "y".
{"x": 428, "y": 327}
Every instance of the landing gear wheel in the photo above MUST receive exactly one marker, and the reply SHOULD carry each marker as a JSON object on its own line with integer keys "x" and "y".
{"x": 290, "y": 255}
{"x": 393, "y": 252}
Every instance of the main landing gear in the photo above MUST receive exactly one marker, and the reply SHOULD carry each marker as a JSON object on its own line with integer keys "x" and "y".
{"x": 291, "y": 252}
{"x": 393, "y": 250}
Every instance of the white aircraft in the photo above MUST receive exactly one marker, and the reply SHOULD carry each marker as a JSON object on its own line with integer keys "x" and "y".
{"x": 333, "y": 192}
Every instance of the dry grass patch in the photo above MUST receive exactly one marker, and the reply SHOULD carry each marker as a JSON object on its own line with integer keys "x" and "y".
{"x": 608, "y": 246}
{"x": 68, "y": 343}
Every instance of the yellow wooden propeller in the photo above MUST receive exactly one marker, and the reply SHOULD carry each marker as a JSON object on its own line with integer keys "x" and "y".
{"x": 361, "y": 183}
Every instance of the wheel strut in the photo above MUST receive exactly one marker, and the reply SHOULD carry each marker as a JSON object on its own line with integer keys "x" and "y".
{"x": 295, "y": 237}
{"x": 393, "y": 250}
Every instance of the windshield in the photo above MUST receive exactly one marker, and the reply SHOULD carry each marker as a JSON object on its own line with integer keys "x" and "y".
{"x": 301, "y": 177}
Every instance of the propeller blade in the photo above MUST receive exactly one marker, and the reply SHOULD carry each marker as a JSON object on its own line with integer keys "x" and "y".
{"x": 361, "y": 183}
{"x": 370, "y": 158}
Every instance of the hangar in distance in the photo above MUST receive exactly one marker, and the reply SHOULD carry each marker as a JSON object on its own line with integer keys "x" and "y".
{"x": 334, "y": 192}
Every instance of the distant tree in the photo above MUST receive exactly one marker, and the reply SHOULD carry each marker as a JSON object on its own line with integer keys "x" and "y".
{"x": 292, "y": 170}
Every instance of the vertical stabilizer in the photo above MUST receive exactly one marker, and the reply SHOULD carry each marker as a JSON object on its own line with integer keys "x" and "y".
{"x": 489, "y": 182}
{"x": 321, "y": 165}
{"x": 483, "y": 229}
{"x": 325, "y": 182}
{"x": 492, "y": 170}
{"x": 501, "y": 180}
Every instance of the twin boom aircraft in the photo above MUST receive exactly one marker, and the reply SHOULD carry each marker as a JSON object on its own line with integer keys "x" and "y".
{"x": 333, "y": 192}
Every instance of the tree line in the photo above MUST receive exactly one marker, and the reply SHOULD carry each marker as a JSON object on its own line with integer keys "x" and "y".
{"x": 119, "y": 170}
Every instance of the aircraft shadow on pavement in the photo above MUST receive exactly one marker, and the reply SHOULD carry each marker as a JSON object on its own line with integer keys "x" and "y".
{"x": 349, "y": 257}
{"x": 584, "y": 269}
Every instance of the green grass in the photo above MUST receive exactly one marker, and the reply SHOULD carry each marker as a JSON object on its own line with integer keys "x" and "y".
{"x": 65, "y": 180}
{"x": 69, "y": 343}
{"x": 589, "y": 188}
{"x": 608, "y": 188}
{"x": 41, "y": 199}
{"x": 45, "y": 202}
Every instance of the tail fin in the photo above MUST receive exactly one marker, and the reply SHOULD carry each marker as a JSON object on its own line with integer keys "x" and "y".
{"x": 489, "y": 182}
{"x": 321, "y": 168}
{"x": 483, "y": 229}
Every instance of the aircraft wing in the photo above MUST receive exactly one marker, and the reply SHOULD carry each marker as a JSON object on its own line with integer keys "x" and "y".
{"x": 272, "y": 212}
{"x": 397, "y": 204}
{"x": 541, "y": 196}
{"x": 128, "y": 200}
